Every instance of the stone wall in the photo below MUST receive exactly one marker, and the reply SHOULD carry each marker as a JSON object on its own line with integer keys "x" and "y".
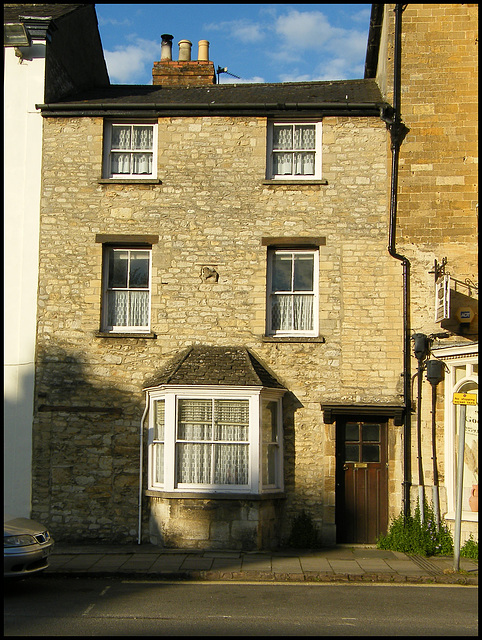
{"x": 438, "y": 191}
{"x": 212, "y": 208}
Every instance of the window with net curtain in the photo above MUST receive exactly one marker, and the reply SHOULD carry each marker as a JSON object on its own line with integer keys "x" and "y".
{"x": 126, "y": 289}
{"x": 295, "y": 150}
{"x": 130, "y": 150}
{"x": 292, "y": 292}
{"x": 215, "y": 441}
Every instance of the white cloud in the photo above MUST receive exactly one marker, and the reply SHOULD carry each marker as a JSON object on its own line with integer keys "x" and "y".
{"x": 131, "y": 61}
{"x": 243, "y": 30}
{"x": 306, "y": 30}
{"x": 334, "y": 52}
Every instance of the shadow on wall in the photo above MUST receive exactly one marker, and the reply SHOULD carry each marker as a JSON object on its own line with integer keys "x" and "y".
{"x": 85, "y": 463}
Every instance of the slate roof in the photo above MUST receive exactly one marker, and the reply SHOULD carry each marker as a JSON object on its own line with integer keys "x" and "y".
{"x": 206, "y": 365}
{"x": 351, "y": 96}
{"x": 14, "y": 12}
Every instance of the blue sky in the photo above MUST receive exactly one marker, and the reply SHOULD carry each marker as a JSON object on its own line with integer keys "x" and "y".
{"x": 257, "y": 42}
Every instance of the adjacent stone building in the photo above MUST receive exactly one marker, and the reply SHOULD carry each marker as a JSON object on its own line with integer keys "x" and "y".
{"x": 220, "y": 326}
{"x": 437, "y": 230}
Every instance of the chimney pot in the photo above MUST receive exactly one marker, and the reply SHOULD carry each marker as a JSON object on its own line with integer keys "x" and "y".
{"x": 203, "y": 50}
{"x": 166, "y": 46}
{"x": 185, "y": 50}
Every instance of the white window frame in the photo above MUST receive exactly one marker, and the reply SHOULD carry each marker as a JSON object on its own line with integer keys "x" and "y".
{"x": 271, "y": 175}
{"x": 107, "y": 171}
{"x": 270, "y": 330}
{"x": 106, "y": 257}
{"x": 171, "y": 394}
{"x": 455, "y": 380}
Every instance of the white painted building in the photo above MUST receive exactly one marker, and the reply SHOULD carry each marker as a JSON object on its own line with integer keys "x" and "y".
{"x": 40, "y": 42}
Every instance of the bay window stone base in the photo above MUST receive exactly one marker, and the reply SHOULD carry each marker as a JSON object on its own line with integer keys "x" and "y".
{"x": 215, "y": 523}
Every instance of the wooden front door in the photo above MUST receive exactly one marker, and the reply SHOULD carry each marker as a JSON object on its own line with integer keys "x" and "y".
{"x": 362, "y": 480}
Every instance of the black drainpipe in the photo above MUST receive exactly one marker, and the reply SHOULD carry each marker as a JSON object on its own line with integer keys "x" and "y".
{"x": 398, "y": 132}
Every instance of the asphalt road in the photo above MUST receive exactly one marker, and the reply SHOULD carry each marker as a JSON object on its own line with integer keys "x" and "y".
{"x": 57, "y": 606}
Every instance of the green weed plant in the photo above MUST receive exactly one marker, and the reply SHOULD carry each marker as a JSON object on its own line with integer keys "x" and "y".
{"x": 409, "y": 534}
{"x": 470, "y": 549}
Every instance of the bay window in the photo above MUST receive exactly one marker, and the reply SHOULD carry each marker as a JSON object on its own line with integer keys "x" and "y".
{"x": 215, "y": 440}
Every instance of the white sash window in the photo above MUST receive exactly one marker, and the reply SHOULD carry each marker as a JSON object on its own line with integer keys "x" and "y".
{"x": 292, "y": 292}
{"x": 126, "y": 289}
{"x": 130, "y": 150}
{"x": 294, "y": 150}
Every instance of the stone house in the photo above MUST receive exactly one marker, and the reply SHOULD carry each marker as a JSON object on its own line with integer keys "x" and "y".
{"x": 50, "y": 50}
{"x": 220, "y": 343}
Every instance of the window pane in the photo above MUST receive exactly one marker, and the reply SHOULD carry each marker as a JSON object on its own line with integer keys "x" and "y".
{"x": 283, "y": 164}
{"x": 370, "y": 453}
{"x": 159, "y": 418}
{"x": 303, "y": 313}
{"x": 142, "y": 137}
{"x": 194, "y": 463}
{"x": 269, "y": 422}
{"x": 270, "y": 458}
{"x": 305, "y": 136}
{"x": 118, "y": 306}
{"x": 159, "y": 463}
{"x": 121, "y": 137}
{"x": 139, "y": 269}
{"x": 138, "y": 309}
{"x": 304, "y": 164}
{"x": 371, "y": 432}
{"x": 283, "y": 137}
{"x": 231, "y": 419}
{"x": 231, "y": 464}
{"x": 351, "y": 431}
{"x": 118, "y": 267}
{"x": 303, "y": 277}
{"x": 121, "y": 162}
{"x": 141, "y": 163}
{"x": 281, "y": 313}
{"x": 282, "y": 270}
{"x": 194, "y": 419}
{"x": 351, "y": 453}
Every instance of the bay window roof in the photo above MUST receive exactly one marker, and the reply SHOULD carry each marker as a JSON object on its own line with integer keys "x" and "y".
{"x": 206, "y": 365}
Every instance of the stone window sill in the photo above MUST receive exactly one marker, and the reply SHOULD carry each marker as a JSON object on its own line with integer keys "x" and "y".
{"x": 143, "y": 336}
{"x": 150, "y": 181}
{"x": 293, "y": 340}
{"x": 295, "y": 182}
{"x": 206, "y": 495}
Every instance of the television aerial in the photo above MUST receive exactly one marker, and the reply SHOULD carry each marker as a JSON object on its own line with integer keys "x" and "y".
{"x": 220, "y": 70}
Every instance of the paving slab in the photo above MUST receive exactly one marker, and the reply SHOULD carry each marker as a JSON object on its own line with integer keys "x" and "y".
{"x": 315, "y": 563}
{"x": 406, "y": 567}
{"x": 256, "y": 562}
{"x": 286, "y": 565}
{"x": 375, "y": 565}
{"x": 345, "y": 566}
{"x": 197, "y": 563}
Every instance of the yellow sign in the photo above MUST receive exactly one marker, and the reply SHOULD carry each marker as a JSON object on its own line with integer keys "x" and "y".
{"x": 465, "y": 398}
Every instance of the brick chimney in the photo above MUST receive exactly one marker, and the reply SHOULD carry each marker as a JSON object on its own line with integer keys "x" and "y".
{"x": 183, "y": 72}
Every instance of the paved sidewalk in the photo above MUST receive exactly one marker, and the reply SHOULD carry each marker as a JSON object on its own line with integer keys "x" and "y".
{"x": 334, "y": 564}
